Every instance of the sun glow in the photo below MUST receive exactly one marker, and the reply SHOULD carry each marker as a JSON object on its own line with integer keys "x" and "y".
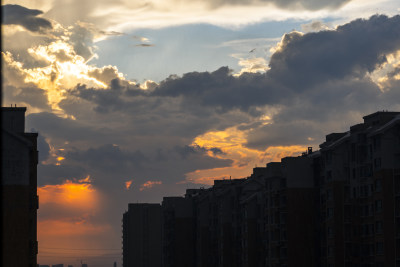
{"x": 78, "y": 195}
{"x": 60, "y": 70}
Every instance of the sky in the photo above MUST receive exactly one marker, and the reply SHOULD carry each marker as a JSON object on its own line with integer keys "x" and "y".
{"x": 134, "y": 101}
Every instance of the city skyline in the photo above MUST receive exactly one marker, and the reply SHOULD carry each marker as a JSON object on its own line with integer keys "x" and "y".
{"x": 133, "y": 102}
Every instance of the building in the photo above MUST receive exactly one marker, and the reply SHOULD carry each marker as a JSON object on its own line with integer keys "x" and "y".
{"x": 339, "y": 206}
{"x": 19, "y": 190}
{"x": 178, "y": 231}
{"x": 142, "y": 237}
{"x": 360, "y": 194}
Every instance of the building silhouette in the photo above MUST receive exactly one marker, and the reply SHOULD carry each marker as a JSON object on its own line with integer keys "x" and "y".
{"x": 142, "y": 237}
{"x": 339, "y": 206}
{"x": 18, "y": 190}
{"x": 178, "y": 231}
{"x": 360, "y": 194}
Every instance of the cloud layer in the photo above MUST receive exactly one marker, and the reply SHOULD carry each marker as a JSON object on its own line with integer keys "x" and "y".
{"x": 25, "y": 17}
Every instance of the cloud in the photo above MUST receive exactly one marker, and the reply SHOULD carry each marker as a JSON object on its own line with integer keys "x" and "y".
{"x": 149, "y": 184}
{"x": 315, "y": 26}
{"x": 313, "y": 80}
{"x": 25, "y": 17}
{"x": 288, "y": 4}
{"x": 145, "y": 45}
{"x": 201, "y": 125}
{"x": 352, "y": 50}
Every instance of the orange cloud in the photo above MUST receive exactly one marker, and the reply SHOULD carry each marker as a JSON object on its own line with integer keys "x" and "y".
{"x": 232, "y": 142}
{"x": 149, "y": 184}
{"x": 128, "y": 184}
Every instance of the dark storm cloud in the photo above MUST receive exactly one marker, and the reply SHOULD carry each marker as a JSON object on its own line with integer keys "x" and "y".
{"x": 65, "y": 129}
{"x": 50, "y": 174}
{"x": 302, "y": 63}
{"x": 352, "y": 50}
{"x": 221, "y": 90}
{"x": 167, "y": 165}
{"x": 25, "y": 17}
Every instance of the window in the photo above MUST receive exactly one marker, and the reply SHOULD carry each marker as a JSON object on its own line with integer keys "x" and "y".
{"x": 329, "y": 195}
{"x": 376, "y": 142}
{"x": 379, "y": 248}
{"x": 378, "y": 185}
{"x": 378, "y": 205}
{"x": 329, "y": 176}
{"x": 378, "y": 227}
{"x": 330, "y": 251}
{"x": 371, "y": 229}
{"x": 377, "y": 163}
{"x": 328, "y": 157}
{"x": 329, "y": 231}
{"x": 329, "y": 213}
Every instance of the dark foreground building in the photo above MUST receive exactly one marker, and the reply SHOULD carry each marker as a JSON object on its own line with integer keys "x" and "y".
{"x": 18, "y": 190}
{"x": 142, "y": 242}
{"x": 339, "y": 206}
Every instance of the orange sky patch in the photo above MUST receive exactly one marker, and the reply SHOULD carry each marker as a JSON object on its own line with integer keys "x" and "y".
{"x": 77, "y": 202}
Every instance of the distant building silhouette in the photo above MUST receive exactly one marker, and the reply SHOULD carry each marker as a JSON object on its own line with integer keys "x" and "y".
{"x": 18, "y": 190}
{"x": 339, "y": 206}
{"x": 57, "y": 265}
{"x": 142, "y": 238}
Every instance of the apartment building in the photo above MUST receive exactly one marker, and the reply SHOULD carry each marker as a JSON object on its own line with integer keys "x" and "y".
{"x": 359, "y": 172}
{"x": 339, "y": 206}
{"x": 18, "y": 190}
{"x": 142, "y": 236}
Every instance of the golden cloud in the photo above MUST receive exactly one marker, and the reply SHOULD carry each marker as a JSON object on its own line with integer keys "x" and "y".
{"x": 128, "y": 184}
{"x": 149, "y": 184}
{"x": 232, "y": 142}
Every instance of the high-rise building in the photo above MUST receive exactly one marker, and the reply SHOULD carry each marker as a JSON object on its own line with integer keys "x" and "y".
{"x": 178, "y": 231}
{"x": 18, "y": 190}
{"x": 142, "y": 241}
{"x": 360, "y": 194}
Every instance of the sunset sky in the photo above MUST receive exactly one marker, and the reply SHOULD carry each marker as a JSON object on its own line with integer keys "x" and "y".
{"x": 136, "y": 100}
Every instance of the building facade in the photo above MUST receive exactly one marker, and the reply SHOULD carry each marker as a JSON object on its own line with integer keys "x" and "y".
{"x": 18, "y": 190}
{"x": 359, "y": 187}
{"x": 142, "y": 236}
{"x": 339, "y": 206}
